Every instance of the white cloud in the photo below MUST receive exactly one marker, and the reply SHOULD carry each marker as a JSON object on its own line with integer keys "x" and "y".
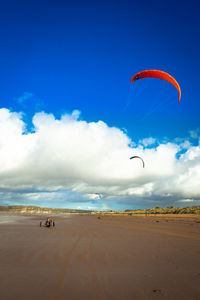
{"x": 185, "y": 145}
{"x": 92, "y": 159}
{"x": 186, "y": 200}
{"x": 194, "y": 133}
{"x": 93, "y": 207}
{"x": 93, "y": 196}
{"x": 148, "y": 141}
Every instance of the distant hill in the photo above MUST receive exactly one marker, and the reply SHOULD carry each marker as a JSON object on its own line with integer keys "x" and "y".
{"x": 39, "y": 210}
{"x": 45, "y": 210}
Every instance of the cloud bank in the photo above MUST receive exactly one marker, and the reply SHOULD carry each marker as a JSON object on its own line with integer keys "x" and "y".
{"x": 91, "y": 160}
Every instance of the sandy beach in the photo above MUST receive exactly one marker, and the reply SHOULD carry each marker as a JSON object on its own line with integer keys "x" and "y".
{"x": 115, "y": 257}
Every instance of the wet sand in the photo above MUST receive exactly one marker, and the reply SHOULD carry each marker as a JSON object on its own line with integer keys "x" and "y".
{"x": 116, "y": 257}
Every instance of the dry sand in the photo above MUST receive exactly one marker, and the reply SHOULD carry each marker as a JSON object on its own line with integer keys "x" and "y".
{"x": 115, "y": 257}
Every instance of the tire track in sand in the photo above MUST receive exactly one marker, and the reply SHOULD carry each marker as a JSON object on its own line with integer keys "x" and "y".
{"x": 91, "y": 263}
{"x": 60, "y": 279}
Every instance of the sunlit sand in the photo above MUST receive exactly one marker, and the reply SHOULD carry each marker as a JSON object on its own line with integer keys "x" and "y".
{"x": 114, "y": 257}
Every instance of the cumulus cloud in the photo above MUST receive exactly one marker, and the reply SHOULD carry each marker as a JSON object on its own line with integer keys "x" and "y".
{"x": 91, "y": 159}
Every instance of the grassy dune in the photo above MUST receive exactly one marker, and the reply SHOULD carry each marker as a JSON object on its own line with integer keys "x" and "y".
{"x": 158, "y": 210}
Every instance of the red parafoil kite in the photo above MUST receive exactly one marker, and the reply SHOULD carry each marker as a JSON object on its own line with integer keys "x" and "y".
{"x": 158, "y": 74}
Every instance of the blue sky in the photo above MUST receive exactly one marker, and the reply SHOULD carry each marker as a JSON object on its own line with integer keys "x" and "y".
{"x": 58, "y": 57}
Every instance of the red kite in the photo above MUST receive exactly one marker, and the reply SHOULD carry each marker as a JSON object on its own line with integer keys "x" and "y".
{"x": 158, "y": 74}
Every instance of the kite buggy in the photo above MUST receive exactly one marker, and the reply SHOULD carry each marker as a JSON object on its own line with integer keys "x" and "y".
{"x": 48, "y": 223}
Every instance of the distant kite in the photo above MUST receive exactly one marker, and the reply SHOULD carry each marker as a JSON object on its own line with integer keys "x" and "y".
{"x": 139, "y": 158}
{"x": 157, "y": 74}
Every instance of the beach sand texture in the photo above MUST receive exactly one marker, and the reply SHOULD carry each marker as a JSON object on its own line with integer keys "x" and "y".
{"x": 115, "y": 257}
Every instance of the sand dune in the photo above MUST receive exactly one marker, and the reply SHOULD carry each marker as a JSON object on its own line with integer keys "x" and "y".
{"x": 84, "y": 257}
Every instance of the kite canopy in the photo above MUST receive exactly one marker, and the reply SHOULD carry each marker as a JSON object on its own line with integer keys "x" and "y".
{"x": 160, "y": 75}
{"x": 135, "y": 156}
